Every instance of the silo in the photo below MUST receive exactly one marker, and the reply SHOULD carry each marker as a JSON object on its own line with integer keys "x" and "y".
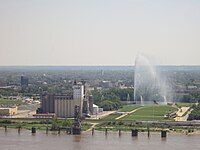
{"x": 91, "y": 102}
{"x": 85, "y": 107}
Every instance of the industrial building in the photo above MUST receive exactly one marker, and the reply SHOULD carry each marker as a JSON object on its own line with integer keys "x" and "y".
{"x": 63, "y": 105}
{"x": 8, "y": 111}
{"x": 48, "y": 103}
{"x": 91, "y": 102}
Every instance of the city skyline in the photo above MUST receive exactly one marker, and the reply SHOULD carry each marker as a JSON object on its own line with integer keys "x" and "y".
{"x": 77, "y": 33}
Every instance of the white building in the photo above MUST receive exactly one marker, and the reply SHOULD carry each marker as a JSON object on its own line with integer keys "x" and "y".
{"x": 95, "y": 109}
{"x": 78, "y": 91}
{"x": 192, "y": 87}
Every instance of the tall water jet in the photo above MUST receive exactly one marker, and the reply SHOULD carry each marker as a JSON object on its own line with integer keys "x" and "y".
{"x": 128, "y": 99}
{"x": 148, "y": 84}
{"x": 165, "y": 99}
{"x": 141, "y": 101}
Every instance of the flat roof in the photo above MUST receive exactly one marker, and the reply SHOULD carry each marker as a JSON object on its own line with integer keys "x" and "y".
{"x": 43, "y": 114}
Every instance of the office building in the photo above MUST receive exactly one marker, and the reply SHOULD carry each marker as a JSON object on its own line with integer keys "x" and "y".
{"x": 24, "y": 81}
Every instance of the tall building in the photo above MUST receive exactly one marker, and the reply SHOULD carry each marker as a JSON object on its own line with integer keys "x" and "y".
{"x": 64, "y": 105}
{"x": 78, "y": 90}
{"x": 24, "y": 81}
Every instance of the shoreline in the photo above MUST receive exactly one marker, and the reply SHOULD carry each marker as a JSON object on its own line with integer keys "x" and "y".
{"x": 184, "y": 132}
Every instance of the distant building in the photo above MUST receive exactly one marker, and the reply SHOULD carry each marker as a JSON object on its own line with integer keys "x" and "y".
{"x": 24, "y": 81}
{"x": 8, "y": 111}
{"x": 192, "y": 87}
{"x": 106, "y": 84}
{"x": 96, "y": 109}
{"x": 102, "y": 72}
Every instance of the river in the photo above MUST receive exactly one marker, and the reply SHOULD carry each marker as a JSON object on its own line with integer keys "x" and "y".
{"x": 11, "y": 140}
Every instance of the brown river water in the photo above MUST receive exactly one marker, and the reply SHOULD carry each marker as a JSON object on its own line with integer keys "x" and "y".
{"x": 11, "y": 140}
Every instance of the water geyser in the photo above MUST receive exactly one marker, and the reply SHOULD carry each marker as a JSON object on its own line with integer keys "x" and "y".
{"x": 149, "y": 85}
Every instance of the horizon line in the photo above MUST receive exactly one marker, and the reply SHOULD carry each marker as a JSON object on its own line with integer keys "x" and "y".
{"x": 93, "y": 65}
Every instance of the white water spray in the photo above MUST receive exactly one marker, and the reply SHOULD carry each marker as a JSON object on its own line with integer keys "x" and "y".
{"x": 149, "y": 86}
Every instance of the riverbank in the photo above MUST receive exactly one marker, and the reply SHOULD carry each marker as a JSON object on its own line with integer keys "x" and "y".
{"x": 107, "y": 131}
{"x": 99, "y": 125}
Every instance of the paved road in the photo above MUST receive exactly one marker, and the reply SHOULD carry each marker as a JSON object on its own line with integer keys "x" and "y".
{"x": 93, "y": 126}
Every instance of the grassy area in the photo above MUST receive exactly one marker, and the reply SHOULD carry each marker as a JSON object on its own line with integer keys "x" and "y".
{"x": 128, "y": 108}
{"x": 155, "y": 110}
{"x": 146, "y": 118}
{"x": 125, "y": 124}
{"x": 184, "y": 104}
{"x": 40, "y": 124}
{"x": 143, "y": 128}
{"x": 24, "y": 124}
{"x": 110, "y": 125}
{"x": 150, "y": 113}
{"x": 145, "y": 113}
{"x": 9, "y": 102}
{"x": 112, "y": 116}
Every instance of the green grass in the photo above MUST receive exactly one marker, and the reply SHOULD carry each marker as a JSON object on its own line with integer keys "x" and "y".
{"x": 184, "y": 104}
{"x": 9, "y": 102}
{"x": 128, "y": 108}
{"x": 111, "y": 116}
{"x": 155, "y": 110}
{"x": 145, "y": 113}
{"x": 145, "y": 118}
{"x": 85, "y": 126}
{"x": 26, "y": 125}
{"x": 39, "y": 124}
{"x": 150, "y": 113}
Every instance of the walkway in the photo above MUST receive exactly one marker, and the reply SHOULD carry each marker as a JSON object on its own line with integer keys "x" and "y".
{"x": 93, "y": 126}
{"x": 181, "y": 111}
{"x": 101, "y": 115}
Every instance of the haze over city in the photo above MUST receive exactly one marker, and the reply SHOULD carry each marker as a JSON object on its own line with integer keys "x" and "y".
{"x": 95, "y": 32}
{"x": 79, "y": 74}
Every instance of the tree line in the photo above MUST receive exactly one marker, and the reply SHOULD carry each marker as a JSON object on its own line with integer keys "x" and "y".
{"x": 111, "y": 99}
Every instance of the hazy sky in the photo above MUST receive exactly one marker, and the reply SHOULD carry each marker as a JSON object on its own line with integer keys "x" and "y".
{"x": 99, "y": 32}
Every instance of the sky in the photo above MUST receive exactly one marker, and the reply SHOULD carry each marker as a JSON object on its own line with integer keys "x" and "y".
{"x": 99, "y": 32}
